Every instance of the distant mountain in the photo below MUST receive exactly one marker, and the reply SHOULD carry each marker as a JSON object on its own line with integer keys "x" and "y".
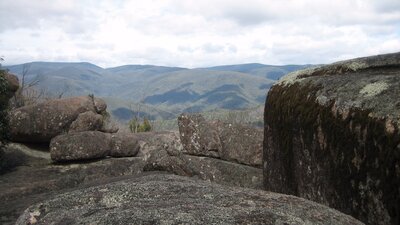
{"x": 163, "y": 92}
{"x": 257, "y": 69}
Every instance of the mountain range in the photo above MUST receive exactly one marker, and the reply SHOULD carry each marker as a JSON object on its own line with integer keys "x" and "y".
{"x": 157, "y": 91}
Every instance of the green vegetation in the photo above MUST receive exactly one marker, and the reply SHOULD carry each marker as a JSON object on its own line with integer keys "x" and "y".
{"x": 136, "y": 127}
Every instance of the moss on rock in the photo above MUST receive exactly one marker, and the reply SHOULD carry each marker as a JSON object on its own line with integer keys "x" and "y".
{"x": 343, "y": 153}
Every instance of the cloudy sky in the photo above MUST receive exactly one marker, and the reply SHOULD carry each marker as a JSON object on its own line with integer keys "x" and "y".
{"x": 197, "y": 33}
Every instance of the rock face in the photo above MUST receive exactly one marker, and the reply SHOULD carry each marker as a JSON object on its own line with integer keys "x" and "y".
{"x": 231, "y": 142}
{"x": 332, "y": 136}
{"x": 41, "y": 122}
{"x": 170, "y": 199}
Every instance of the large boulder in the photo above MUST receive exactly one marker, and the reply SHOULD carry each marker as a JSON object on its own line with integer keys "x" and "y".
{"x": 87, "y": 145}
{"x": 124, "y": 145}
{"x": 332, "y": 136}
{"x": 171, "y": 199}
{"x": 227, "y": 141}
{"x": 86, "y": 121}
{"x": 41, "y": 122}
{"x": 80, "y": 146}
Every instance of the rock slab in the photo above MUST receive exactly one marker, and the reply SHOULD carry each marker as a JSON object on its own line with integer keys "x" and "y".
{"x": 332, "y": 136}
{"x": 230, "y": 142}
{"x": 171, "y": 199}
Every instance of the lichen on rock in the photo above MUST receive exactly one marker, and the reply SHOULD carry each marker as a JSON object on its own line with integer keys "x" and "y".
{"x": 333, "y": 135}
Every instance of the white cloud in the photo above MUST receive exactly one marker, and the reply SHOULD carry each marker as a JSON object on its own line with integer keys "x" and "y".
{"x": 195, "y": 33}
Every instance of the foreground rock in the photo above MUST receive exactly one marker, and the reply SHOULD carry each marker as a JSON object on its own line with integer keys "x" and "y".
{"x": 332, "y": 136}
{"x": 170, "y": 199}
{"x": 32, "y": 177}
{"x": 41, "y": 122}
{"x": 231, "y": 142}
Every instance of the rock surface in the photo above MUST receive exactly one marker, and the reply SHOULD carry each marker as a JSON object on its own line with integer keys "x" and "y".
{"x": 86, "y": 121}
{"x": 332, "y": 136}
{"x": 198, "y": 136}
{"x": 162, "y": 151}
{"x": 87, "y": 145}
{"x": 41, "y": 122}
{"x": 205, "y": 168}
{"x": 32, "y": 177}
{"x": 171, "y": 199}
{"x": 230, "y": 142}
{"x": 80, "y": 146}
{"x": 124, "y": 145}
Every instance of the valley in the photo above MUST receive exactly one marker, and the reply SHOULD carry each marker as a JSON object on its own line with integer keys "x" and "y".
{"x": 157, "y": 92}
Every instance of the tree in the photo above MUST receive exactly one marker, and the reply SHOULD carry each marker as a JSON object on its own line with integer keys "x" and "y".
{"x": 27, "y": 93}
{"x": 145, "y": 126}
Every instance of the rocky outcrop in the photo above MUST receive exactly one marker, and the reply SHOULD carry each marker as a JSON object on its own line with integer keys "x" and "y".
{"x": 41, "y": 122}
{"x": 205, "y": 168}
{"x": 171, "y": 199}
{"x": 231, "y": 142}
{"x": 33, "y": 177}
{"x": 163, "y": 151}
{"x": 89, "y": 145}
{"x": 332, "y": 136}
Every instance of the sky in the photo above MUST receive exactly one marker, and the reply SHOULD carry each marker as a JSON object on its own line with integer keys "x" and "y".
{"x": 197, "y": 33}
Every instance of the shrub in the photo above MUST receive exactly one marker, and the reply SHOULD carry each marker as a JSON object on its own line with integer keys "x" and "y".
{"x": 136, "y": 127}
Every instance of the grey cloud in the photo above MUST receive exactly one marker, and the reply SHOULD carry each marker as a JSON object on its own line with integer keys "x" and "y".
{"x": 186, "y": 49}
{"x": 73, "y": 18}
{"x": 389, "y": 6}
{"x": 248, "y": 17}
{"x": 212, "y": 48}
